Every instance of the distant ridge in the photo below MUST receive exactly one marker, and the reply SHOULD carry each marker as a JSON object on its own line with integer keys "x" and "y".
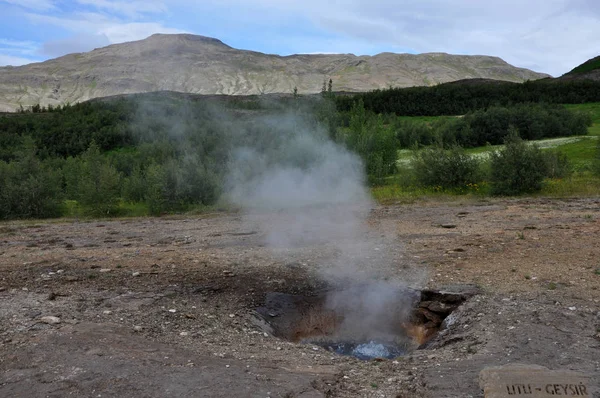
{"x": 204, "y": 65}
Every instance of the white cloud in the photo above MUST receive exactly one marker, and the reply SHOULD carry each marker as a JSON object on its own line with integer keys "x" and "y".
{"x": 21, "y": 47}
{"x": 97, "y": 26}
{"x": 75, "y": 44}
{"x": 134, "y": 9}
{"x": 38, "y": 5}
{"x": 119, "y": 33}
{"x": 6, "y": 60}
{"x": 545, "y": 35}
{"x": 549, "y": 35}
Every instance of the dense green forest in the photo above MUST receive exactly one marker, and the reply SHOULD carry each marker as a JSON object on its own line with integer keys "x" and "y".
{"x": 167, "y": 152}
{"x": 460, "y": 97}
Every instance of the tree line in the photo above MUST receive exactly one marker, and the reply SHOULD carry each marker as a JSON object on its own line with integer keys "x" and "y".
{"x": 168, "y": 153}
{"x": 459, "y": 98}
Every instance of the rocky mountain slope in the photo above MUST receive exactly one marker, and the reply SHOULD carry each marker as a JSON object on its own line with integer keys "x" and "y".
{"x": 202, "y": 65}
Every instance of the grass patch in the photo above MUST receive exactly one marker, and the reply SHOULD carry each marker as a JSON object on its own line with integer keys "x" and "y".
{"x": 427, "y": 119}
{"x": 583, "y": 184}
{"x": 395, "y": 193}
{"x": 128, "y": 209}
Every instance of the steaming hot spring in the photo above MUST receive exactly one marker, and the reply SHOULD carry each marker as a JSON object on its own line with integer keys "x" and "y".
{"x": 367, "y": 321}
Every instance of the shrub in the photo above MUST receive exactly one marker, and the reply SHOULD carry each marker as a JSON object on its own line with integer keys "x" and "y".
{"x": 557, "y": 164}
{"x": 98, "y": 183}
{"x": 596, "y": 161}
{"x": 373, "y": 141}
{"x": 517, "y": 168}
{"x": 446, "y": 168}
{"x": 29, "y": 188}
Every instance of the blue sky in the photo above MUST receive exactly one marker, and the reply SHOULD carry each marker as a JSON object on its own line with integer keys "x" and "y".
{"x": 549, "y": 36}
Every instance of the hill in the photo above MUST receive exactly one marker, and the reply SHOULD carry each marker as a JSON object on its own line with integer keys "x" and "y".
{"x": 203, "y": 65}
{"x": 589, "y": 70}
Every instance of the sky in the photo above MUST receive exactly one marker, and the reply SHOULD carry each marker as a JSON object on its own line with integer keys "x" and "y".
{"x": 551, "y": 36}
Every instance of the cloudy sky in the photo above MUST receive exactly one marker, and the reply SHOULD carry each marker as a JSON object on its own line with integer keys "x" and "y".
{"x": 549, "y": 36}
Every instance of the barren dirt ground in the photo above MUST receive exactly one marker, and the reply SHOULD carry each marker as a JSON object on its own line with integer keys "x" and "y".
{"x": 164, "y": 307}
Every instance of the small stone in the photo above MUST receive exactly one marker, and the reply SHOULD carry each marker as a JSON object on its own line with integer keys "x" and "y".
{"x": 50, "y": 320}
{"x": 183, "y": 334}
{"x": 448, "y": 225}
{"x": 71, "y": 278}
{"x": 137, "y": 328}
{"x": 103, "y": 270}
{"x": 232, "y": 315}
{"x": 107, "y": 312}
{"x": 2, "y": 288}
{"x": 226, "y": 366}
{"x": 572, "y": 308}
{"x": 135, "y": 273}
{"x": 172, "y": 310}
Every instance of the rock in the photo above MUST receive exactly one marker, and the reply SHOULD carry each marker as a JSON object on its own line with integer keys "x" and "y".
{"x": 448, "y": 225}
{"x": 533, "y": 380}
{"x": 50, "y": 320}
{"x": 137, "y": 328}
{"x": 184, "y": 334}
{"x": 104, "y": 270}
{"x": 172, "y": 310}
{"x": 433, "y": 317}
{"x": 135, "y": 273}
{"x": 439, "y": 307}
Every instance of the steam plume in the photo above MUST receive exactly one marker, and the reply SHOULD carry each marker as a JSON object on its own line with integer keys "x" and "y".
{"x": 303, "y": 189}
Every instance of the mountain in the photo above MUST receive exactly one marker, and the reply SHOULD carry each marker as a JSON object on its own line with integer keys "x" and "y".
{"x": 589, "y": 70}
{"x": 203, "y": 65}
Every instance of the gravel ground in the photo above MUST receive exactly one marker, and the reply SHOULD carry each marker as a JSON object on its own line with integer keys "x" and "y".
{"x": 158, "y": 307}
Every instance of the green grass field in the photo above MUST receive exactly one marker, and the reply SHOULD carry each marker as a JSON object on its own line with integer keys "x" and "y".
{"x": 580, "y": 150}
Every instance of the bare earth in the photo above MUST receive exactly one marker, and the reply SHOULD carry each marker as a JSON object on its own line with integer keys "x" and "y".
{"x": 185, "y": 325}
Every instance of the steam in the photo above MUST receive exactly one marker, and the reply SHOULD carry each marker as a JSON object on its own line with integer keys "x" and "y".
{"x": 309, "y": 193}
{"x": 304, "y": 192}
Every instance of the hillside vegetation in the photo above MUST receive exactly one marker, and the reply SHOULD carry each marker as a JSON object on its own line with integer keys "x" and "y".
{"x": 168, "y": 152}
{"x": 588, "y": 66}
